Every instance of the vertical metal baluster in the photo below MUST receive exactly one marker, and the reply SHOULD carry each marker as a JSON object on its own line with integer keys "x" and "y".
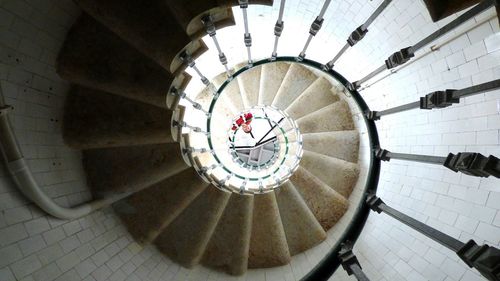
{"x": 483, "y": 258}
{"x": 469, "y": 163}
{"x": 175, "y": 92}
{"x": 187, "y": 59}
{"x": 210, "y": 28}
{"x": 438, "y": 99}
{"x": 183, "y": 124}
{"x": 358, "y": 34}
{"x": 278, "y": 29}
{"x": 350, "y": 262}
{"x": 247, "y": 36}
{"x": 243, "y": 186}
{"x": 261, "y": 185}
{"x": 315, "y": 27}
{"x": 404, "y": 55}
{"x": 223, "y": 181}
{"x": 207, "y": 169}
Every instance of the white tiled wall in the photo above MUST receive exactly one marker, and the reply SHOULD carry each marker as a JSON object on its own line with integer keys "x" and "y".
{"x": 462, "y": 206}
{"x": 36, "y": 247}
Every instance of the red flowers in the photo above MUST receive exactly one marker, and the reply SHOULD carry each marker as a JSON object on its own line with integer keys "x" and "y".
{"x": 244, "y": 119}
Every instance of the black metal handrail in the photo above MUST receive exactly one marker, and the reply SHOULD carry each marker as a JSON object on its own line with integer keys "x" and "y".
{"x": 329, "y": 264}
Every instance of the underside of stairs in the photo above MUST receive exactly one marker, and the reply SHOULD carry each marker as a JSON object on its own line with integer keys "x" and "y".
{"x": 122, "y": 58}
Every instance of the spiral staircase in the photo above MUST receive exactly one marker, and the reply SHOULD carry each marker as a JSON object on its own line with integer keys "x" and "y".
{"x": 128, "y": 144}
{"x": 197, "y": 185}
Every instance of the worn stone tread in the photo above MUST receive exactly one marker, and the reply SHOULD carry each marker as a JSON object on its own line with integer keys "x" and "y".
{"x": 149, "y": 26}
{"x": 339, "y": 144}
{"x": 95, "y": 57}
{"x": 318, "y": 95}
{"x": 147, "y": 213}
{"x": 249, "y": 82}
{"x": 272, "y": 75}
{"x": 302, "y": 230}
{"x": 95, "y": 119}
{"x": 334, "y": 117}
{"x": 268, "y": 246}
{"x": 124, "y": 169}
{"x": 231, "y": 94}
{"x": 187, "y": 237}
{"x": 326, "y": 204}
{"x": 228, "y": 248}
{"x": 336, "y": 173}
{"x": 297, "y": 79}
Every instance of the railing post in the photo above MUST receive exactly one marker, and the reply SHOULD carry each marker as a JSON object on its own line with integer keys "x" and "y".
{"x": 205, "y": 169}
{"x": 396, "y": 59}
{"x": 175, "y": 92}
{"x": 386, "y": 155}
{"x": 358, "y": 34}
{"x": 473, "y": 164}
{"x": 438, "y": 99}
{"x": 404, "y": 55}
{"x": 375, "y": 115}
{"x": 315, "y": 27}
{"x": 484, "y": 258}
{"x": 350, "y": 263}
{"x": 278, "y": 29}
{"x": 183, "y": 124}
{"x": 223, "y": 181}
{"x": 187, "y": 59}
{"x": 474, "y": 11}
{"x": 469, "y": 163}
{"x": 211, "y": 31}
{"x": 247, "y": 38}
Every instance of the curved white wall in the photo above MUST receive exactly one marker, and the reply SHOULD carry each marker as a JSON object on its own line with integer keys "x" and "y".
{"x": 36, "y": 247}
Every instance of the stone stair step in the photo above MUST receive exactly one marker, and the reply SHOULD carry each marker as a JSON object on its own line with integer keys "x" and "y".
{"x": 189, "y": 16}
{"x": 195, "y": 48}
{"x": 268, "y": 246}
{"x": 297, "y": 79}
{"x": 133, "y": 168}
{"x": 249, "y": 84}
{"x": 95, "y": 119}
{"x": 95, "y": 57}
{"x": 318, "y": 95}
{"x": 334, "y": 117}
{"x": 231, "y": 94}
{"x": 222, "y": 109}
{"x": 302, "y": 230}
{"x": 326, "y": 204}
{"x": 147, "y": 213}
{"x": 180, "y": 83}
{"x": 233, "y": 98}
{"x": 336, "y": 173}
{"x": 187, "y": 237}
{"x": 148, "y": 26}
{"x": 228, "y": 248}
{"x": 177, "y": 116}
{"x": 339, "y": 144}
{"x": 272, "y": 75}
